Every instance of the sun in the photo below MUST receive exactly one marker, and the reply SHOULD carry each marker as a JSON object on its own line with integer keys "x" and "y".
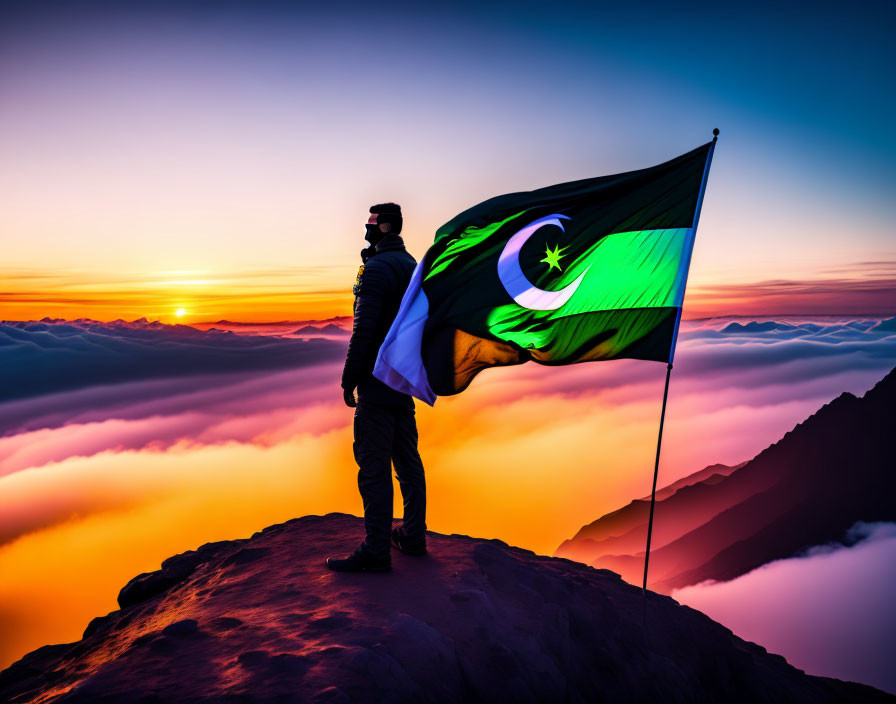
{"x": 180, "y": 312}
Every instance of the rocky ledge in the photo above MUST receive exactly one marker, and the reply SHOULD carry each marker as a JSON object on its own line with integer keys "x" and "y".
{"x": 262, "y": 620}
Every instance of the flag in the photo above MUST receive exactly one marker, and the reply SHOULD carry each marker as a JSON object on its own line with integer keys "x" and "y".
{"x": 581, "y": 271}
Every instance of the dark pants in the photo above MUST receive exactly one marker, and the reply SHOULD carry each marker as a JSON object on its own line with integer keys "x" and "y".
{"x": 385, "y": 435}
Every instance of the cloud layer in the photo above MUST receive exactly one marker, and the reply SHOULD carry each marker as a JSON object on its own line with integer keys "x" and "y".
{"x": 155, "y": 465}
{"x": 829, "y": 612}
{"x": 45, "y": 357}
{"x": 738, "y": 385}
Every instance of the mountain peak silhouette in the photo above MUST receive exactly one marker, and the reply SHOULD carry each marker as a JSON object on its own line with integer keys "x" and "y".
{"x": 809, "y": 488}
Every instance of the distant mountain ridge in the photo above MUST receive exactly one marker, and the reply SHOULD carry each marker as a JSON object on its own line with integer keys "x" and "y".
{"x": 712, "y": 474}
{"x": 336, "y": 325}
{"x": 832, "y": 470}
{"x": 625, "y": 530}
{"x": 329, "y": 329}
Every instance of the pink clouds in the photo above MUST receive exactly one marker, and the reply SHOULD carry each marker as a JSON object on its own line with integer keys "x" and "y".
{"x": 829, "y": 612}
{"x": 258, "y": 409}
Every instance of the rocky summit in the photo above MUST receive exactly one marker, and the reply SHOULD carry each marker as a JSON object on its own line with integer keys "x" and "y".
{"x": 263, "y": 620}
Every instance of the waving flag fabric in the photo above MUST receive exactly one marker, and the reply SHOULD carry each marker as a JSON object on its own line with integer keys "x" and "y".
{"x": 581, "y": 271}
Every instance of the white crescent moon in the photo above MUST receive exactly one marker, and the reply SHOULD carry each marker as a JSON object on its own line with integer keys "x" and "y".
{"x": 514, "y": 280}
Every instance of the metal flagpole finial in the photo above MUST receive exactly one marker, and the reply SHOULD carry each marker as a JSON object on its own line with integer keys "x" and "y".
{"x": 715, "y": 134}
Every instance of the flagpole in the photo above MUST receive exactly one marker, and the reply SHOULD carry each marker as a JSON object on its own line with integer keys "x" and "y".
{"x": 659, "y": 439}
{"x": 656, "y": 472}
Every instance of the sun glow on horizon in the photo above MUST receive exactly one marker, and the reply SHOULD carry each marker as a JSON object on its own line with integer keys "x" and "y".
{"x": 180, "y": 312}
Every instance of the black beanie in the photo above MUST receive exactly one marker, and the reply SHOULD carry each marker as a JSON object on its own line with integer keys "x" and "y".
{"x": 388, "y": 213}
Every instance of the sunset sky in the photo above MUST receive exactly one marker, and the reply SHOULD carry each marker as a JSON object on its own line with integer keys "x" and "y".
{"x": 191, "y": 162}
{"x": 162, "y": 156}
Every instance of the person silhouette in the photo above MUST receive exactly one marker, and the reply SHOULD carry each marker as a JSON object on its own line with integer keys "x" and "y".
{"x": 385, "y": 428}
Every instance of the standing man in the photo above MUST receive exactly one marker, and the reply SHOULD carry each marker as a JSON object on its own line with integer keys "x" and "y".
{"x": 385, "y": 429}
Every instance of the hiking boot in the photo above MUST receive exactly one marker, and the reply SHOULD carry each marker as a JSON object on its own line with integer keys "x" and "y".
{"x": 401, "y": 542}
{"x": 360, "y": 561}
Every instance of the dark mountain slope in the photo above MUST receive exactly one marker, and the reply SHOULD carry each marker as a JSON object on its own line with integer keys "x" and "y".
{"x": 809, "y": 488}
{"x": 684, "y": 508}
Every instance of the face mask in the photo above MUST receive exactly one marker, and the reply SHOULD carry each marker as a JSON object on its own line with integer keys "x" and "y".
{"x": 373, "y": 234}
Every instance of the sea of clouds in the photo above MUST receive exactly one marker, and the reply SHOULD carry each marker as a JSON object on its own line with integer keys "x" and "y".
{"x": 143, "y": 440}
{"x": 38, "y": 358}
{"x": 829, "y": 611}
{"x": 78, "y": 389}
{"x": 121, "y": 369}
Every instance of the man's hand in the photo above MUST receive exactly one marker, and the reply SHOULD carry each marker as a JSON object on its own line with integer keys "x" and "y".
{"x": 349, "y": 396}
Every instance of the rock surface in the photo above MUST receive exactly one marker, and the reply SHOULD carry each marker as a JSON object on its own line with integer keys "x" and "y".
{"x": 262, "y": 620}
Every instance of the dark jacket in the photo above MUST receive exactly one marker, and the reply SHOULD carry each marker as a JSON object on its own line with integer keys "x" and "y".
{"x": 378, "y": 295}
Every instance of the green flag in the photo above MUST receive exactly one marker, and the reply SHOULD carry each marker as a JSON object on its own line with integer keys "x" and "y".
{"x": 587, "y": 270}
